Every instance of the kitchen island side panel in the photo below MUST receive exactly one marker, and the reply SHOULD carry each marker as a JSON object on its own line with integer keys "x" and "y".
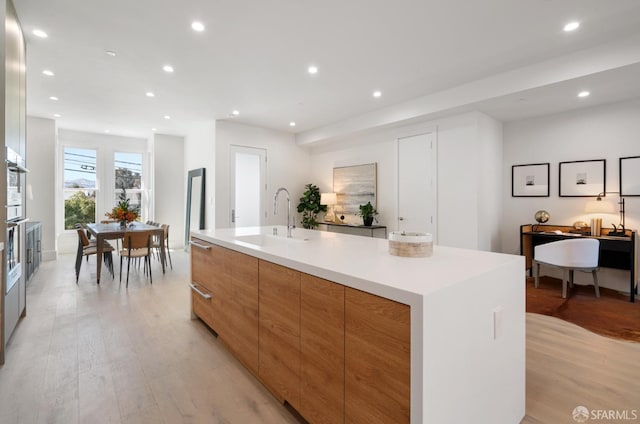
{"x": 474, "y": 349}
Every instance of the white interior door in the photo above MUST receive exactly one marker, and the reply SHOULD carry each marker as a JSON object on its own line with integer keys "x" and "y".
{"x": 416, "y": 184}
{"x": 248, "y": 186}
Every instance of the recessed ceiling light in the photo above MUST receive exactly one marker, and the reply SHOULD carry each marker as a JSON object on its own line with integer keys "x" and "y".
{"x": 167, "y": 68}
{"x": 150, "y": 94}
{"x": 54, "y": 98}
{"x": 107, "y": 131}
{"x": 48, "y": 73}
{"x": 197, "y": 26}
{"x": 154, "y": 129}
{"x": 584, "y": 94}
{"x": 377, "y": 94}
{"x": 167, "y": 117}
{"x": 292, "y": 124}
{"x": 235, "y": 113}
{"x": 57, "y": 115}
{"x": 40, "y": 33}
{"x": 312, "y": 69}
{"x": 111, "y": 53}
{"x": 571, "y": 26}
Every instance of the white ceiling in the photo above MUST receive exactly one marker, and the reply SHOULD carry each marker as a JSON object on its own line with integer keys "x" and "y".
{"x": 253, "y": 57}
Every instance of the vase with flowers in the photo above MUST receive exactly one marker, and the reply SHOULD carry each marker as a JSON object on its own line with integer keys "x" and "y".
{"x": 124, "y": 212}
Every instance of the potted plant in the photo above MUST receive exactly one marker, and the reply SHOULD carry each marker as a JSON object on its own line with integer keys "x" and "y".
{"x": 310, "y": 206}
{"x": 368, "y": 214}
{"x": 124, "y": 212}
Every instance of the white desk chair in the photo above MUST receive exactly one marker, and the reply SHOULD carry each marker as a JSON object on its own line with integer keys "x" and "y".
{"x": 569, "y": 255}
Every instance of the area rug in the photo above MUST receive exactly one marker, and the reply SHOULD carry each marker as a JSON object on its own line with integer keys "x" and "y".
{"x": 611, "y": 315}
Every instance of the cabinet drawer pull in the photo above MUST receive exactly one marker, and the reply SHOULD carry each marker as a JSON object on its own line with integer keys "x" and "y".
{"x": 201, "y": 246}
{"x": 201, "y": 293}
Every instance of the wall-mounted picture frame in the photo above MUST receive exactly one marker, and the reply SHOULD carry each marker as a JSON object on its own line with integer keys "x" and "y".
{"x": 630, "y": 176}
{"x": 354, "y": 186}
{"x": 531, "y": 180}
{"x": 582, "y": 178}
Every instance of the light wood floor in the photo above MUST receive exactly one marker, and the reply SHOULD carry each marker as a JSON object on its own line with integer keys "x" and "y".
{"x": 89, "y": 354}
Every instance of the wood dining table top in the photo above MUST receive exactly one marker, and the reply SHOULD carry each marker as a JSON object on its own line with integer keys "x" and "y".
{"x": 113, "y": 230}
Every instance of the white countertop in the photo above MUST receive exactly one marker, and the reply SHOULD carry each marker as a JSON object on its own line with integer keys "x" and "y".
{"x": 360, "y": 262}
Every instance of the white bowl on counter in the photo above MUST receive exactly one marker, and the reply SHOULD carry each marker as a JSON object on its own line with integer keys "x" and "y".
{"x": 410, "y": 244}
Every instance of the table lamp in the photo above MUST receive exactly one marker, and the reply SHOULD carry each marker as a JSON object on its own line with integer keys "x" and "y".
{"x": 329, "y": 199}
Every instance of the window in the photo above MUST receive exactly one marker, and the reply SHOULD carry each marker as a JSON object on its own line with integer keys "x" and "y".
{"x": 80, "y": 189}
{"x": 128, "y": 176}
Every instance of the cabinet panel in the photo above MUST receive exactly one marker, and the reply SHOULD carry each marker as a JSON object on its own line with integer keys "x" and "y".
{"x": 377, "y": 359}
{"x": 242, "y": 310}
{"x": 321, "y": 350}
{"x": 279, "y": 339}
{"x": 210, "y": 269}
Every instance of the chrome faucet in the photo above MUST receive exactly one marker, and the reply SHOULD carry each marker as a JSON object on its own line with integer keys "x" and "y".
{"x": 275, "y": 208}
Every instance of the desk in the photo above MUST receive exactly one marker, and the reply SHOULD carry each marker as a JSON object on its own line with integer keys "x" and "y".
{"x": 113, "y": 231}
{"x": 615, "y": 252}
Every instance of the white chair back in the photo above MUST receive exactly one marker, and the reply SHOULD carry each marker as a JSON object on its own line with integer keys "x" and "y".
{"x": 572, "y": 253}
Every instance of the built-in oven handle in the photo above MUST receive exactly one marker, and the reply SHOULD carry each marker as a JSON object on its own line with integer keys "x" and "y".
{"x": 16, "y": 223}
{"x": 201, "y": 293}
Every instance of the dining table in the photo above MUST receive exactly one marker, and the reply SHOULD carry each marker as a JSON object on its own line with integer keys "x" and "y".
{"x": 114, "y": 231}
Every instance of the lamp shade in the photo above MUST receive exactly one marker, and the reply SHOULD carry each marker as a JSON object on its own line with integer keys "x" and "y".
{"x": 599, "y": 206}
{"x": 328, "y": 199}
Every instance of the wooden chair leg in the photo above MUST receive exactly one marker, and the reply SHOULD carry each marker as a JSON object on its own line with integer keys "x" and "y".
{"x": 537, "y": 271}
{"x": 595, "y": 282}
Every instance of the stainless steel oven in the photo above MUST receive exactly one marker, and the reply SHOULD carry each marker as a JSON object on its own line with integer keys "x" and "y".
{"x": 15, "y": 217}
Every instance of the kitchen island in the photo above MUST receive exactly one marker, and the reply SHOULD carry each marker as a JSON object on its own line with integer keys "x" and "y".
{"x": 333, "y": 322}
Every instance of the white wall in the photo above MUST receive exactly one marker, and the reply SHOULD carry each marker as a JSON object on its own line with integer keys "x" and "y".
{"x": 168, "y": 186}
{"x": 469, "y": 162}
{"x": 41, "y": 149}
{"x": 603, "y": 132}
{"x": 287, "y": 166}
{"x": 199, "y": 152}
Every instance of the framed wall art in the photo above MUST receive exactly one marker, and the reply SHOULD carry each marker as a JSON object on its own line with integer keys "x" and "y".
{"x": 630, "y": 176}
{"x": 354, "y": 186}
{"x": 582, "y": 178}
{"x": 530, "y": 180}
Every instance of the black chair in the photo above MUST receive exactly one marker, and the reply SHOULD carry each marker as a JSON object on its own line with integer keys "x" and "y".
{"x": 87, "y": 248}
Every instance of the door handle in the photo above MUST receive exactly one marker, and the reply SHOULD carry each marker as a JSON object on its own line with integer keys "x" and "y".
{"x": 400, "y": 219}
{"x": 233, "y": 215}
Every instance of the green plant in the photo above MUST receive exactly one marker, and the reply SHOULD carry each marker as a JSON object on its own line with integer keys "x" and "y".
{"x": 368, "y": 211}
{"x": 79, "y": 208}
{"x": 310, "y": 206}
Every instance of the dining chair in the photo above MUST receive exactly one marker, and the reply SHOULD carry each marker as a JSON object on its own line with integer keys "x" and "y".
{"x": 569, "y": 255}
{"x": 88, "y": 247}
{"x": 157, "y": 243}
{"x": 136, "y": 245}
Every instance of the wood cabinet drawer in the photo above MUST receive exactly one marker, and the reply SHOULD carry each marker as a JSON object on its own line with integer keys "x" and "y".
{"x": 209, "y": 264}
{"x": 201, "y": 304}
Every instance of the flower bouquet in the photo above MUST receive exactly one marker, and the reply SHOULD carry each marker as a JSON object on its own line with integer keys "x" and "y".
{"x": 124, "y": 212}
